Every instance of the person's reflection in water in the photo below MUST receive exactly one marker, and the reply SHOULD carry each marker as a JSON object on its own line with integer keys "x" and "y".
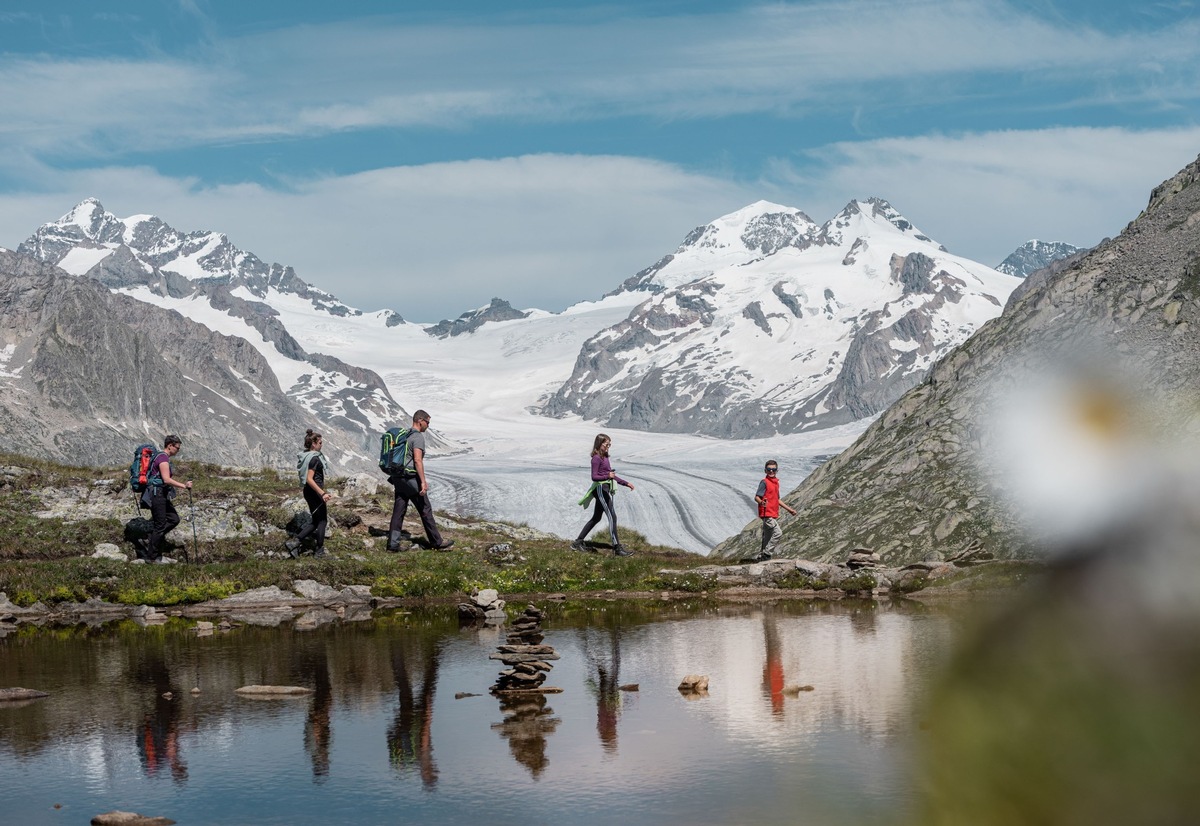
{"x": 158, "y": 737}
{"x": 414, "y": 662}
{"x": 527, "y": 724}
{"x": 773, "y": 667}
{"x": 313, "y": 664}
{"x": 605, "y": 685}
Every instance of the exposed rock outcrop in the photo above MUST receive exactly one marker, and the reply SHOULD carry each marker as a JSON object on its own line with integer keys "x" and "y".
{"x": 498, "y": 310}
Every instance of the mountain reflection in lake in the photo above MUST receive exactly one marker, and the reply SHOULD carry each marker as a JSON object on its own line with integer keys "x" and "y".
{"x": 382, "y": 737}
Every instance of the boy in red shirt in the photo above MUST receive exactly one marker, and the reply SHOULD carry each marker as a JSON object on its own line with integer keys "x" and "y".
{"x": 769, "y": 504}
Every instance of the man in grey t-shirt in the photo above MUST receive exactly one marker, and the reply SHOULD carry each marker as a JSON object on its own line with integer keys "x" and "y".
{"x": 411, "y": 486}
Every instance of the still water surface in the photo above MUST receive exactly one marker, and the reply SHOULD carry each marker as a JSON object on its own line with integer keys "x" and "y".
{"x": 383, "y": 738}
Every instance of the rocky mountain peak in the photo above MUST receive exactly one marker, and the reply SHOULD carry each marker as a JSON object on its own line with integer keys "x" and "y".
{"x": 755, "y": 231}
{"x": 497, "y": 310}
{"x": 145, "y": 250}
{"x": 866, "y": 219}
{"x": 1033, "y": 255}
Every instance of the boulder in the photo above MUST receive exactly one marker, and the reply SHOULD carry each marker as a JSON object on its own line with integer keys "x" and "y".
{"x": 316, "y": 591}
{"x": 107, "y": 550}
{"x": 360, "y": 485}
{"x": 486, "y": 597}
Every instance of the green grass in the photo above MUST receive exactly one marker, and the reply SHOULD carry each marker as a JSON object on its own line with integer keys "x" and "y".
{"x": 47, "y": 560}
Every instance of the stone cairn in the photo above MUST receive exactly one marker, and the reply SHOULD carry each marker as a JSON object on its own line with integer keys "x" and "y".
{"x": 861, "y": 558}
{"x": 525, "y": 656}
{"x": 485, "y": 605}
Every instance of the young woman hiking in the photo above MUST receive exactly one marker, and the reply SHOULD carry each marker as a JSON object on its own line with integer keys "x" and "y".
{"x": 312, "y": 467}
{"x": 603, "y": 490}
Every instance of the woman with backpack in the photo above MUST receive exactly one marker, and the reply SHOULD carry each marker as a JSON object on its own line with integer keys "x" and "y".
{"x": 603, "y": 490}
{"x": 312, "y": 467}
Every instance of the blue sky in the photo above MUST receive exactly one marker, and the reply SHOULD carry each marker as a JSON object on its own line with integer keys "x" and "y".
{"x": 427, "y": 157}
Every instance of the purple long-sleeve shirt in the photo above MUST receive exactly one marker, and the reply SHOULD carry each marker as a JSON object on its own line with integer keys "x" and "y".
{"x": 601, "y": 467}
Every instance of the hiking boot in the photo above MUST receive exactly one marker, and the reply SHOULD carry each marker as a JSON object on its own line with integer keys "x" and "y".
{"x": 445, "y": 546}
{"x": 621, "y": 550}
{"x": 292, "y": 546}
{"x": 319, "y": 553}
{"x": 762, "y": 556}
{"x": 579, "y": 545}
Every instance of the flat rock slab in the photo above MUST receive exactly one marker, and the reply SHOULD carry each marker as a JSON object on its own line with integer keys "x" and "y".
{"x": 513, "y": 659}
{"x": 268, "y": 596}
{"x": 525, "y": 649}
{"x": 14, "y": 694}
{"x": 273, "y": 691}
{"x": 129, "y": 819}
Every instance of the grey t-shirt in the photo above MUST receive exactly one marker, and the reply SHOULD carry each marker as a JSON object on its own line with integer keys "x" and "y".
{"x": 416, "y": 440}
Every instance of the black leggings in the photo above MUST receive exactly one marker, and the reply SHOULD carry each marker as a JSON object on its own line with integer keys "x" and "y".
{"x": 605, "y": 506}
{"x": 165, "y": 518}
{"x": 320, "y": 517}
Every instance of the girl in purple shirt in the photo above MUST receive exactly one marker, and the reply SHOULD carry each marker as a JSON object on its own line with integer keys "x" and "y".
{"x": 604, "y": 487}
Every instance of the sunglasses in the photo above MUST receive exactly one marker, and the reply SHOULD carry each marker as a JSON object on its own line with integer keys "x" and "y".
{"x": 772, "y": 470}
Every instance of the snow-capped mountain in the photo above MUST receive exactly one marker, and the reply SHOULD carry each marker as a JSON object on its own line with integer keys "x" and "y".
{"x": 206, "y": 278}
{"x": 143, "y": 250}
{"x": 764, "y": 322}
{"x": 1034, "y": 255}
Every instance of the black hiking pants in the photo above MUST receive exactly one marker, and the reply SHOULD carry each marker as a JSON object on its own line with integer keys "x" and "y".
{"x": 320, "y": 518}
{"x": 408, "y": 489}
{"x": 164, "y": 518}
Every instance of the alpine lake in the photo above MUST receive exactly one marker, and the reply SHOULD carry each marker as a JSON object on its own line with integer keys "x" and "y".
{"x": 811, "y": 715}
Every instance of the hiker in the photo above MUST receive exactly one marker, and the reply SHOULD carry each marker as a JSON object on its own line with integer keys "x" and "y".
{"x": 312, "y": 468}
{"x": 411, "y": 486}
{"x": 769, "y": 503}
{"x": 157, "y": 496}
{"x": 603, "y": 489}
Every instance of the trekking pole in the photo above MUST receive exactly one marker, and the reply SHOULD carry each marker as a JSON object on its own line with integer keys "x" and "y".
{"x": 192, "y": 518}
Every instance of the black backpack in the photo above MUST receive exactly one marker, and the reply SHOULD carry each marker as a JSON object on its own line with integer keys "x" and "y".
{"x": 139, "y": 470}
{"x": 394, "y": 452}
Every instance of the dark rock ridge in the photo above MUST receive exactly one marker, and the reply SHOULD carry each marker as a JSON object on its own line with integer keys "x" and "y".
{"x": 910, "y": 485}
{"x": 498, "y": 310}
{"x": 1035, "y": 255}
{"x": 86, "y": 374}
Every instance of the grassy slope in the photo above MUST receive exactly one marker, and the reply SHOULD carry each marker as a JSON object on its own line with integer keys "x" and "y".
{"x": 47, "y": 559}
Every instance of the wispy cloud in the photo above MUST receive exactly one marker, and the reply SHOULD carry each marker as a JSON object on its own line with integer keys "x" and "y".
{"x": 429, "y": 241}
{"x": 548, "y": 230}
{"x": 787, "y": 59}
{"x": 984, "y": 194}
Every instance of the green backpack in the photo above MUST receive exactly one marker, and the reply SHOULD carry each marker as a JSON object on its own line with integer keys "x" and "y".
{"x": 395, "y": 457}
